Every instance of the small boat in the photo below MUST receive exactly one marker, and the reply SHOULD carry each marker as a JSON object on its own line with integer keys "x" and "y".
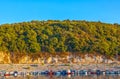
{"x": 15, "y": 73}
{"x": 73, "y": 72}
{"x": 68, "y": 71}
{"x": 34, "y": 73}
{"x": 2, "y": 73}
{"x": 39, "y": 72}
{"x": 57, "y": 73}
{"x": 63, "y": 72}
{"x": 22, "y": 73}
{"x": 11, "y": 73}
{"x": 44, "y": 72}
{"x": 118, "y": 72}
{"x": 51, "y": 72}
{"x": 98, "y": 72}
{"x": 111, "y": 72}
{"x": 93, "y": 72}
{"x": 103, "y": 72}
{"x": 7, "y": 74}
{"x": 83, "y": 72}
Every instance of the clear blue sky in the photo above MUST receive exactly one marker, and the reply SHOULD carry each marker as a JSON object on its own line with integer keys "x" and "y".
{"x": 12, "y": 11}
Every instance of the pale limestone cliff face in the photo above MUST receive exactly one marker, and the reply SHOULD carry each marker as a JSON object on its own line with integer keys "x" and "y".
{"x": 28, "y": 60}
{"x": 5, "y": 58}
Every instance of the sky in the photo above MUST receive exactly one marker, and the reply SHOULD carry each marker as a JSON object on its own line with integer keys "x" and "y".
{"x": 14, "y": 11}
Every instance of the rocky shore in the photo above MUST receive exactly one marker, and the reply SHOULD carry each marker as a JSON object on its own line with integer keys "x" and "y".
{"x": 54, "y": 67}
{"x": 6, "y": 58}
{"x": 57, "y": 62}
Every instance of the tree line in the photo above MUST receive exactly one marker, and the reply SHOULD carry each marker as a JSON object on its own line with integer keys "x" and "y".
{"x": 55, "y": 36}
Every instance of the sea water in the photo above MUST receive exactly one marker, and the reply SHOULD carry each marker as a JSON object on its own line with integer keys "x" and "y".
{"x": 65, "y": 77}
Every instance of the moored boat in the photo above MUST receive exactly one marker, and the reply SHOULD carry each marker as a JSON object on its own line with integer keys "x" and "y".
{"x": 7, "y": 74}
{"x": 63, "y": 72}
{"x": 2, "y": 73}
{"x": 15, "y": 73}
{"x": 51, "y": 72}
{"x": 57, "y": 73}
{"x": 98, "y": 72}
{"x": 83, "y": 72}
{"x": 68, "y": 71}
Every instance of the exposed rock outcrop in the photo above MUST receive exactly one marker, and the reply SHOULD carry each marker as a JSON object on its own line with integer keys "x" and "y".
{"x": 5, "y": 58}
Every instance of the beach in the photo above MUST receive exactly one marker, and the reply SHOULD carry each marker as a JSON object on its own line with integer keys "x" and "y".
{"x": 54, "y": 67}
{"x": 26, "y": 68}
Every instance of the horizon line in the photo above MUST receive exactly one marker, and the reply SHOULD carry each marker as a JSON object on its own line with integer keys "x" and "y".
{"x": 59, "y": 20}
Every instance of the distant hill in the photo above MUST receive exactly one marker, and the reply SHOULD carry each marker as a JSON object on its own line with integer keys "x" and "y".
{"x": 54, "y": 36}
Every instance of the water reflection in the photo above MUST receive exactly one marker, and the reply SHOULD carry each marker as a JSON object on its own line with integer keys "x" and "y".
{"x": 65, "y": 77}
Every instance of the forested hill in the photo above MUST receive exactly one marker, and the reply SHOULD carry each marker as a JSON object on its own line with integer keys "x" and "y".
{"x": 55, "y": 36}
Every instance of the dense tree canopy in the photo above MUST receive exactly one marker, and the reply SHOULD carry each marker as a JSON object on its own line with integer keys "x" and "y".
{"x": 60, "y": 36}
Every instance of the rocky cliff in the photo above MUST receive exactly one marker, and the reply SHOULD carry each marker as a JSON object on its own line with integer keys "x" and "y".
{"x": 6, "y": 58}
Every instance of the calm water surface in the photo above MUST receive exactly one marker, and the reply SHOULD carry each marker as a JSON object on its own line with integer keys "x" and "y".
{"x": 64, "y": 77}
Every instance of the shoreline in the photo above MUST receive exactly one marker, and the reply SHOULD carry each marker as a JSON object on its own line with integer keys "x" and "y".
{"x": 54, "y": 67}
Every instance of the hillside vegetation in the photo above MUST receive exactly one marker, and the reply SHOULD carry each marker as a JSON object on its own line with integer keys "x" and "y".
{"x": 54, "y": 36}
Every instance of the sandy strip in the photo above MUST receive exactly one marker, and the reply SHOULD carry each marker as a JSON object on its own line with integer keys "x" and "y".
{"x": 28, "y": 67}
